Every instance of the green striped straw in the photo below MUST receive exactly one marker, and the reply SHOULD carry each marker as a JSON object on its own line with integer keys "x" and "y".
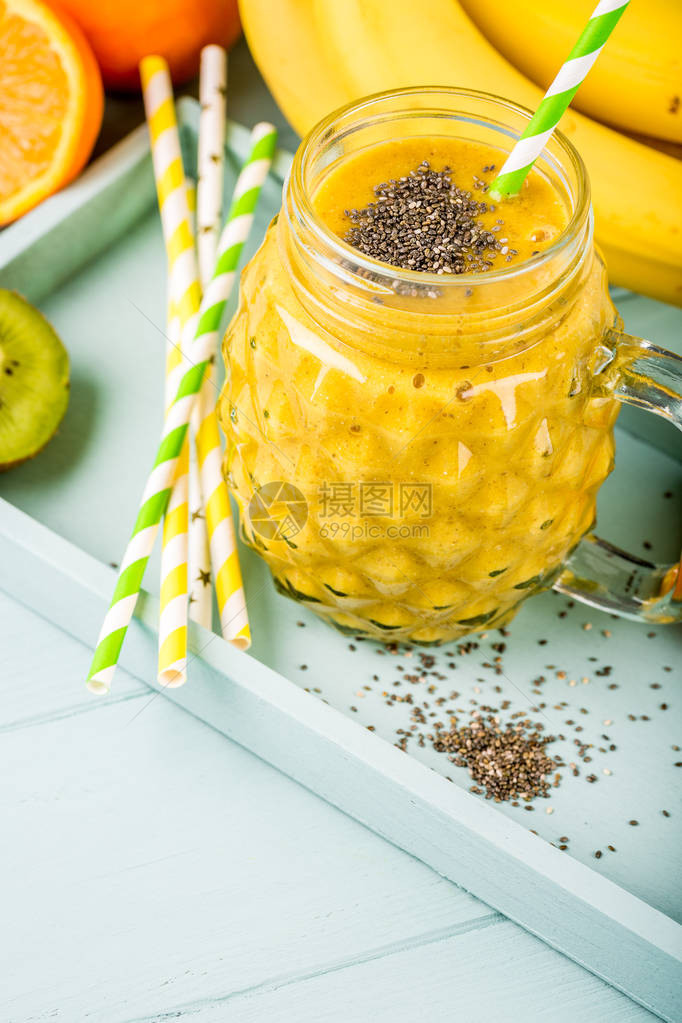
{"x": 160, "y": 482}
{"x": 556, "y": 100}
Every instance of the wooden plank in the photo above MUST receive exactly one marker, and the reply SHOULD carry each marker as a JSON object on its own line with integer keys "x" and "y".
{"x": 571, "y": 907}
{"x": 147, "y": 861}
{"x": 40, "y": 669}
{"x": 493, "y": 974}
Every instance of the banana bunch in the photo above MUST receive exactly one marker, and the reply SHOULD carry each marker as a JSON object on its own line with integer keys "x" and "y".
{"x": 636, "y": 84}
{"x": 317, "y": 55}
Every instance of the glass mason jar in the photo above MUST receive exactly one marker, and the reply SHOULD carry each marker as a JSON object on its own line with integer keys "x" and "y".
{"x": 414, "y": 455}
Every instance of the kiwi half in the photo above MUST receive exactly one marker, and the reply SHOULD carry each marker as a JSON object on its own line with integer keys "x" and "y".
{"x": 34, "y": 380}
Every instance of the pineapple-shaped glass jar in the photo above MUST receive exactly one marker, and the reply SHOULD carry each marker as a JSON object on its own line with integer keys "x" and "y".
{"x": 413, "y": 455}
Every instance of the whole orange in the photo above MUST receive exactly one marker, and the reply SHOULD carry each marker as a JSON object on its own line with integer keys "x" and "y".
{"x": 122, "y": 32}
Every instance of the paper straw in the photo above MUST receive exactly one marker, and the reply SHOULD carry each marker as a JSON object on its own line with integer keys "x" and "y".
{"x": 176, "y": 220}
{"x": 200, "y": 582}
{"x": 557, "y": 98}
{"x": 175, "y": 197}
{"x": 174, "y": 334}
{"x": 174, "y": 595}
{"x": 174, "y": 587}
{"x": 234, "y": 623}
{"x": 211, "y": 158}
{"x": 172, "y": 662}
{"x": 211, "y": 170}
{"x": 157, "y": 491}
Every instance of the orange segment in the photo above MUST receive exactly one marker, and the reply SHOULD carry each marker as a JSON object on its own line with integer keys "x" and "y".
{"x": 51, "y": 104}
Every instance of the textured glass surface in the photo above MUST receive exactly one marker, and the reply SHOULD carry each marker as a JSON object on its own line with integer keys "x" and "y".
{"x": 512, "y": 451}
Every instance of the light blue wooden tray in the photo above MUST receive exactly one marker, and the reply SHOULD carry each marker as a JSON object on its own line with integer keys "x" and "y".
{"x": 92, "y": 258}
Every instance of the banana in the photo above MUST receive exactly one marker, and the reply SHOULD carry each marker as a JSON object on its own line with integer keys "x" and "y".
{"x": 636, "y": 84}
{"x": 671, "y": 148}
{"x": 284, "y": 43}
{"x": 318, "y": 54}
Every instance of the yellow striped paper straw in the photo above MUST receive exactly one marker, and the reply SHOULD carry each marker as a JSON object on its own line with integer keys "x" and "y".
{"x": 176, "y": 221}
{"x": 234, "y": 622}
{"x": 174, "y": 360}
{"x": 174, "y": 588}
{"x": 172, "y": 662}
{"x": 184, "y": 295}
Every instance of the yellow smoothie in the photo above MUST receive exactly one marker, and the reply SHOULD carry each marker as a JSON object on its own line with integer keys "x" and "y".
{"x": 529, "y": 224}
{"x": 449, "y": 460}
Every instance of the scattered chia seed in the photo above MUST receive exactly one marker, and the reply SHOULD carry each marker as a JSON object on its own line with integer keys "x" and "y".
{"x": 502, "y": 749}
{"x": 424, "y": 222}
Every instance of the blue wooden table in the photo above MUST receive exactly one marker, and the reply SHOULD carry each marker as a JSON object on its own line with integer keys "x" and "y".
{"x": 152, "y": 869}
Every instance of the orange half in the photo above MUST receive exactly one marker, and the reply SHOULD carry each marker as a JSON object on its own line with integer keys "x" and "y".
{"x": 51, "y": 103}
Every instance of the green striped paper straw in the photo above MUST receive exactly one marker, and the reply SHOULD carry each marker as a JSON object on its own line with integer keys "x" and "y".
{"x": 160, "y": 482}
{"x": 556, "y": 100}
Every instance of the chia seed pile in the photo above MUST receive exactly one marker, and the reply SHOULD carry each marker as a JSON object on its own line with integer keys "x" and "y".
{"x": 425, "y": 222}
{"x": 509, "y": 762}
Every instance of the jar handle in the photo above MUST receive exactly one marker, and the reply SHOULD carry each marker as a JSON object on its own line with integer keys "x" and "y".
{"x": 638, "y": 373}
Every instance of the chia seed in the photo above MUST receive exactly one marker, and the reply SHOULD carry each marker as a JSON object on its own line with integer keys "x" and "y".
{"x": 424, "y": 222}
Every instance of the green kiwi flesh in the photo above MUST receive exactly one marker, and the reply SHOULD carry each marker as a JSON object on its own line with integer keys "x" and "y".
{"x": 34, "y": 380}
